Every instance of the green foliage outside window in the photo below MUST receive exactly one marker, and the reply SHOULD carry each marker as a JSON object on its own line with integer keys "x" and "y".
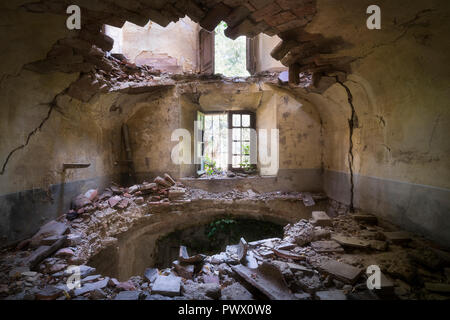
{"x": 210, "y": 167}
{"x": 230, "y": 55}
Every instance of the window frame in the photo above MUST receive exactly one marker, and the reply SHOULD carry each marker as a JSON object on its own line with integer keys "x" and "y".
{"x": 231, "y": 140}
{"x": 207, "y": 52}
{"x": 199, "y": 147}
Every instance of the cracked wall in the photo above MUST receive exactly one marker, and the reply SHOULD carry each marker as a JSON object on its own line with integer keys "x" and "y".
{"x": 399, "y": 84}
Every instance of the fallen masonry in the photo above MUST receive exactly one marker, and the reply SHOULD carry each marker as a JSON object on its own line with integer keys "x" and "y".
{"x": 322, "y": 258}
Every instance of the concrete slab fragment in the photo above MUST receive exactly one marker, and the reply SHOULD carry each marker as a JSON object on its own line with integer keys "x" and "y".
{"x": 341, "y": 271}
{"x": 351, "y": 242}
{"x": 128, "y": 295}
{"x": 326, "y": 246}
{"x": 167, "y": 286}
{"x": 88, "y": 287}
{"x": 267, "y": 279}
{"x": 288, "y": 255}
{"x": 236, "y": 292}
{"x": 397, "y": 237}
{"x": 242, "y": 249}
{"x": 150, "y": 274}
{"x": 331, "y": 295}
{"x": 320, "y": 218}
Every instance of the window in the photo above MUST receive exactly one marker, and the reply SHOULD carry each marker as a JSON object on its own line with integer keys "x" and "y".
{"x": 220, "y": 54}
{"x": 243, "y": 140}
{"x": 231, "y": 55}
{"x": 226, "y": 141}
{"x": 216, "y": 140}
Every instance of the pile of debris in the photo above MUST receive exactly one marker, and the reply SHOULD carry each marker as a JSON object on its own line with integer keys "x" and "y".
{"x": 323, "y": 258}
{"x": 162, "y": 190}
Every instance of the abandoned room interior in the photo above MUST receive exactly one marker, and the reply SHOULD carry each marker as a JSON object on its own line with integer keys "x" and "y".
{"x": 225, "y": 150}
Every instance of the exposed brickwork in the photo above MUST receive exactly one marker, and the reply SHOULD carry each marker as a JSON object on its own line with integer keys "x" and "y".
{"x": 286, "y": 18}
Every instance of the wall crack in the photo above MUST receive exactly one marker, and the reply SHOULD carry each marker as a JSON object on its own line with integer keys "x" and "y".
{"x": 52, "y": 106}
{"x": 352, "y": 124}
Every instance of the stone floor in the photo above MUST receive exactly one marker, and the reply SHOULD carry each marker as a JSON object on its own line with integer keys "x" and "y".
{"x": 323, "y": 258}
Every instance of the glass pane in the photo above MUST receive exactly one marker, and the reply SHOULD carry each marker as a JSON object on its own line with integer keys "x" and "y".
{"x": 246, "y": 148}
{"x": 208, "y": 121}
{"x": 246, "y": 134}
{"x": 236, "y": 134}
{"x": 246, "y": 120}
{"x": 236, "y": 120}
{"x": 215, "y": 124}
{"x": 236, "y": 161}
{"x": 224, "y": 121}
{"x": 245, "y": 160}
{"x": 236, "y": 148}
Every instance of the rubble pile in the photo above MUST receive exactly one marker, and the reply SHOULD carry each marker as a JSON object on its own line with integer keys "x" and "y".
{"x": 321, "y": 258}
{"x": 159, "y": 191}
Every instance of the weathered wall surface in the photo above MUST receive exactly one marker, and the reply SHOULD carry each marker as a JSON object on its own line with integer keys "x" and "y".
{"x": 142, "y": 45}
{"x": 300, "y": 133}
{"x": 300, "y": 145}
{"x": 398, "y": 91}
{"x": 151, "y": 128}
{"x": 399, "y": 87}
{"x": 266, "y": 121}
{"x": 300, "y": 150}
{"x": 45, "y": 129}
{"x": 33, "y": 187}
{"x": 264, "y": 61}
{"x": 188, "y": 117}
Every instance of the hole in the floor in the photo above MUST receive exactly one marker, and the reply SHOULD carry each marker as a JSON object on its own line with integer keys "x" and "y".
{"x": 213, "y": 238}
{"x": 131, "y": 258}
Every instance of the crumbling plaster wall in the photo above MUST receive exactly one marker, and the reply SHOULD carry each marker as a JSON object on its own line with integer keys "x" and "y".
{"x": 178, "y": 40}
{"x": 40, "y": 129}
{"x": 33, "y": 187}
{"x": 399, "y": 92}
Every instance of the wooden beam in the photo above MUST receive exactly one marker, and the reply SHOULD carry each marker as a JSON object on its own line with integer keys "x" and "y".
{"x": 294, "y": 77}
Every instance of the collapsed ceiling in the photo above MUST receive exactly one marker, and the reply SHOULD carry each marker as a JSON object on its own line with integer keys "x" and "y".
{"x": 84, "y": 50}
